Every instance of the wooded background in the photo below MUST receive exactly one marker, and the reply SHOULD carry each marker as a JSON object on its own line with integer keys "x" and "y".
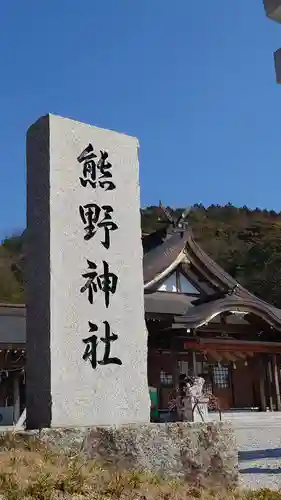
{"x": 246, "y": 243}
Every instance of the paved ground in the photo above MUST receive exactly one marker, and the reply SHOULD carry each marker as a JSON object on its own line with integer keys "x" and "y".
{"x": 258, "y": 437}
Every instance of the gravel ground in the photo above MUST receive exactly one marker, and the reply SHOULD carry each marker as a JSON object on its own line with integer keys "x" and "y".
{"x": 259, "y": 443}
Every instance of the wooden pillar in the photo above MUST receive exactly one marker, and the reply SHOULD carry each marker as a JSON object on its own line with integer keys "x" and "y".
{"x": 194, "y": 365}
{"x": 269, "y": 382}
{"x": 276, "y": 382}
{"x": 176, "y": 377}
{"x": 16, "y": 398}
{"x": 261, "y": 371}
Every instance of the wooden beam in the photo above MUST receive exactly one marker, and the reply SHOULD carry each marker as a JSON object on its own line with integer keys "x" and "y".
{"x": 261, "y": 369}
{"x": 240, "y": 355}
{"x": 194, "y": 365}
{"x": 230, "y": 328}
{"x": 229, "y": 356}
{"x": 214, "y": 354}
{"x": 269, "y": 382}
{"x": 232, "y": 345}
{"x": 176, "y": 379}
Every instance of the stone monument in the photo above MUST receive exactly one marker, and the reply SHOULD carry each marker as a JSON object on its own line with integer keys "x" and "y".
{"x": 86, "y": 333}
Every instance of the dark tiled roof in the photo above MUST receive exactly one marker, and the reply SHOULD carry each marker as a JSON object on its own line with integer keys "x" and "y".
{"x": 224, "y": 291}
{"x": 163, "y": 256}
{"x": 167, "y": 303}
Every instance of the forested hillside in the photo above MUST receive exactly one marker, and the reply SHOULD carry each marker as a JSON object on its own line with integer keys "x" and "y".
{"x": 246, "y": 243}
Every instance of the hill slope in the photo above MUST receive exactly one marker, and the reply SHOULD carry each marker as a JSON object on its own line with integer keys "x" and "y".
{"x": 246, "y": 243}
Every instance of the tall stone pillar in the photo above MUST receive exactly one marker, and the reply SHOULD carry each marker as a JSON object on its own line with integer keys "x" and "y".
{"x": 86, "y": 333}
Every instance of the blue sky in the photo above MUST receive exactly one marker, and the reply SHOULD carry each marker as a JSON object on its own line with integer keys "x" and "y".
{"x": 193, "y": 80}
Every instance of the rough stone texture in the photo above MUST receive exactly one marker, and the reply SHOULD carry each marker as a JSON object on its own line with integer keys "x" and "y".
{"x": 198, "y": 453}
{"x": 202, "y": 454}
{"x": 63, "y": 390}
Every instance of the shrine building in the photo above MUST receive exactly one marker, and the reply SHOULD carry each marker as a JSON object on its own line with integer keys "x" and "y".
{"x": 202, "y": 322}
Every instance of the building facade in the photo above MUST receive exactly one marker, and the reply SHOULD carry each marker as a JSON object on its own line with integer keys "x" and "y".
{"x": 12, "y": 362}
{"x": 202, "y": 322}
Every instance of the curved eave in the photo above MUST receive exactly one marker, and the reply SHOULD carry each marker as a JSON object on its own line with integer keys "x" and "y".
{"x": 161, "y": 261}
{"x": 181, "y": 246}
{"x": 203, "y": 314}
{"x": 221, "y": 277}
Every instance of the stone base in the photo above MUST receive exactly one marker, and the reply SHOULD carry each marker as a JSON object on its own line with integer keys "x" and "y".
{"x": 203, "y": 454}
